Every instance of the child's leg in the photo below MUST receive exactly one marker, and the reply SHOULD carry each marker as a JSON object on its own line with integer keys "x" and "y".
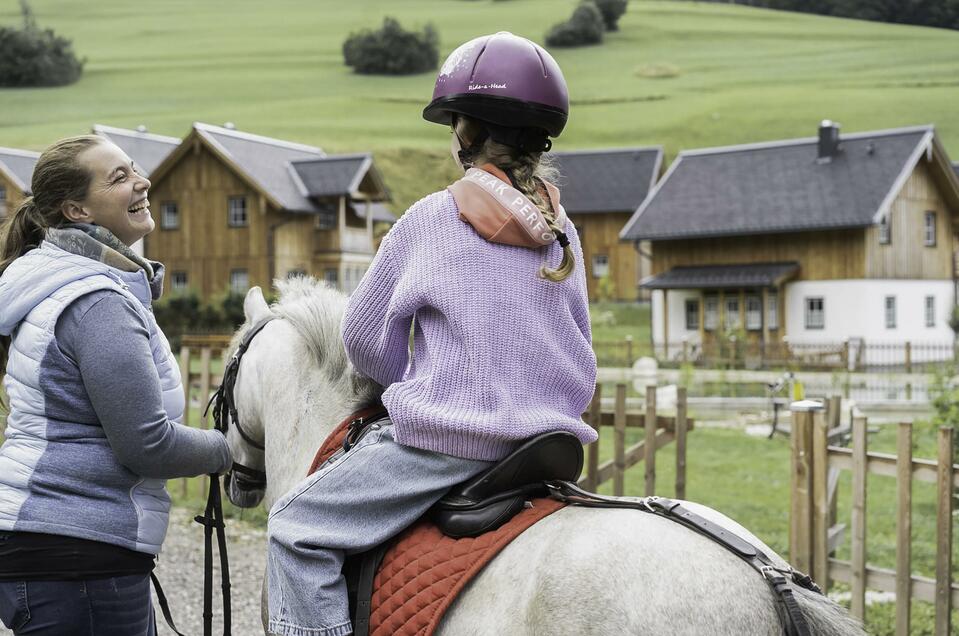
{"x": 366, "y": 496}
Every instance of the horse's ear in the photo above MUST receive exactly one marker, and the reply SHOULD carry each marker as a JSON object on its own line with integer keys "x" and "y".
{"x": 254, "y": 305}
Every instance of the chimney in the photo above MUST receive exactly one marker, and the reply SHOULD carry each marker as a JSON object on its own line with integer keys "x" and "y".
{"x": 141, "y": 128}
{"x": 828, "y": 141}
{"x": 229, "y": 125}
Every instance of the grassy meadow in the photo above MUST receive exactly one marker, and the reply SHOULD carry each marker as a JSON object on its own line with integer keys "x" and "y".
{"x": 680, "y": 74}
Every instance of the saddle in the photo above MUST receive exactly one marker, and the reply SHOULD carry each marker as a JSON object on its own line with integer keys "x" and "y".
{"x": 458, "y": 535}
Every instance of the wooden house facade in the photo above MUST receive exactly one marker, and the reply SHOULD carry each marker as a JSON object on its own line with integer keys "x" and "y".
{"x": 600, "y": 191}
{"x": 828, "y": 239}
{"x": 16, "y": 172}
{"x": 233, "y": 210}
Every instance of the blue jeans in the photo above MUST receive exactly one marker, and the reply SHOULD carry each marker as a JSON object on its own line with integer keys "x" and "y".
{"x": 118, "y": 606}
{"x": 354, "y": 502}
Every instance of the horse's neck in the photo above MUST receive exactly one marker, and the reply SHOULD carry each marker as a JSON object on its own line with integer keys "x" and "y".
{"x": 296, "y": 433}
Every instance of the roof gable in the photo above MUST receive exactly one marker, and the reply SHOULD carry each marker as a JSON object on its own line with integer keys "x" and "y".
{"x": 146, "y": 149}
{"x": 607, "y": 180}
{"x": 780, "y": 186}
{"x": 340, "y": 175}
{"x": 18, "y": 166}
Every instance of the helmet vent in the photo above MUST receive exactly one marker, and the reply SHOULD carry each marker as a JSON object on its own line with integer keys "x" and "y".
{"x": 476, "y": 61}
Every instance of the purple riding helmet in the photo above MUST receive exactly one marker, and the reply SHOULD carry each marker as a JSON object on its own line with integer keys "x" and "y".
{"x": 508, "y": 82}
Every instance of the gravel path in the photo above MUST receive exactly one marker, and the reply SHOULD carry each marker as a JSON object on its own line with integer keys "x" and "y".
{"x": 180, "y": 570}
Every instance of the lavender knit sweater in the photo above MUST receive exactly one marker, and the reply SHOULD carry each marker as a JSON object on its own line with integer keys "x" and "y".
{"x": 500, "y": 354}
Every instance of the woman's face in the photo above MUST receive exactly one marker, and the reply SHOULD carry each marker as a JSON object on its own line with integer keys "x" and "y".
{"x": 117, "y": 199}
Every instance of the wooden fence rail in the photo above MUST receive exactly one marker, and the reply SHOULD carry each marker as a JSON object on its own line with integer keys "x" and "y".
{"x": 811, "y": 528}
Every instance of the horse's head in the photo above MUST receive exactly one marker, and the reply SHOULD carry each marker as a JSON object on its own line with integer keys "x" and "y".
{"x": 246, "y": 436}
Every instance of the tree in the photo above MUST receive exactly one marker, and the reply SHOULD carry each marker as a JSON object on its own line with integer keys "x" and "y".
{"x": 36, "y": 57}
{"x": 584, "y": 27}
{"x": 392, "y": 50}
{"x": 612, "y": 11}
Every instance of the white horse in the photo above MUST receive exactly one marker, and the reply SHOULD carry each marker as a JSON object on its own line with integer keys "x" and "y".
{"x": 579, "y": 571}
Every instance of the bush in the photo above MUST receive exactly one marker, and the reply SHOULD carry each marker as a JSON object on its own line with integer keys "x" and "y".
{"x": 585, "y": 26}
{"x": 392, "y": 50}
{"x": 36, "y": 57}
{"x": 182, "y": 312}
{"x": 612, "y": 11}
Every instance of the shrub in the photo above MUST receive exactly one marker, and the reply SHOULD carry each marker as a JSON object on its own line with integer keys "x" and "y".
{"x": 392, "y": 50}
{"x": 36, "y": 57}
{"x": 585, "y": 26}
{"x": 612, "y": 11}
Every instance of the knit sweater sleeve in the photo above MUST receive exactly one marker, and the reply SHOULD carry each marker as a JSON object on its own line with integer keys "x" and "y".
{"x": 379, "y": 315}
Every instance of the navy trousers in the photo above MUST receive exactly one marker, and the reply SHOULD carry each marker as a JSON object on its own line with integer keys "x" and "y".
{"x": 118, "y": 606}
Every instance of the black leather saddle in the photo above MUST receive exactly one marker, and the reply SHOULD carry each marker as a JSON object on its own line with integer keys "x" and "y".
{"x": 479, "y": 505}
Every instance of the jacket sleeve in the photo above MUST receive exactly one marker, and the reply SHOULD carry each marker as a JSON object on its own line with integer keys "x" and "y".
{"x": 379, "y": 314}
{"x": 110, "y": 343}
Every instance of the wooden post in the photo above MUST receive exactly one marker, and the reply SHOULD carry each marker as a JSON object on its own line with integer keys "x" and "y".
{"x": 903, "y": 528}
{"x": 820, "y": 511}
{"x": 908, "y": 357}
{"x": 205, "y": 359}
{"x": 685, "y": 350}
{"x": 185, "y": 378}
{"x": 619, "y": 441}
{"x": 765, "y": 321}
{"x": 592, "y": 451}
{"x": 944, "y": 534}
{"x": 800, "y": 518}
{"x": 665, "y": 324}
{"x": 681, "y": 442}
{"x": 858, "y": 518}
{"x": 629, "y": 350}
{"x": 702, "y": 320}
{"x": 650, "y": 445}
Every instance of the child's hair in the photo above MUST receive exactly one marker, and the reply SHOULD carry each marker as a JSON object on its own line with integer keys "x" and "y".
{"x": 57, "y": 177}
{"x": 528, "y": 170}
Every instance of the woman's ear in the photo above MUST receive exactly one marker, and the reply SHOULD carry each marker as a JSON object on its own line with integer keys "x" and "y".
{"x": 74, "y": 212}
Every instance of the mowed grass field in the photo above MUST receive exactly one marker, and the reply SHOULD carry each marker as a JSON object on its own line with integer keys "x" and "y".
{"x": 680, "y": 74}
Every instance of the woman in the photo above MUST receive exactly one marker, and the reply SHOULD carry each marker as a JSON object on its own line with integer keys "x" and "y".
{"x": 94, "y": 400}
{"x": 492, "y": 272}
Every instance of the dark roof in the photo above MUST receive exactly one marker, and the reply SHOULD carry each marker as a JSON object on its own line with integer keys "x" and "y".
{"x": 266, "y": 161}
{"x": 720, "y": 276}
{"x": 608, "y": 180}
{"x": 381, "y": 213}
{"x": 333, "y": 176}
{"x": 779, "y": 187}
{"x": 18, "y": 165}
{"x": 146, "y": 149}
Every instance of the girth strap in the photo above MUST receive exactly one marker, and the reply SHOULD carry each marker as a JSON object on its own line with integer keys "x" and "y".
{"x": 790, "y": 614}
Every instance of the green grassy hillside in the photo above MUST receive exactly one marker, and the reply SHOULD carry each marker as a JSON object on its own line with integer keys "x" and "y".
{"x": 683, "y": 75}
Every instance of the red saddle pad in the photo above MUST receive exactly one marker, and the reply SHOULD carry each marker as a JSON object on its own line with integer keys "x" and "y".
{"x": 424, "y": 569}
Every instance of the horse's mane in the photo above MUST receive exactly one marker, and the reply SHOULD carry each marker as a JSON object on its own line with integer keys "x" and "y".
{"x": 315, "y": 311}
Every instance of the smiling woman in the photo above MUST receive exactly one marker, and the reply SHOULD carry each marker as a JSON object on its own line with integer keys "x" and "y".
{"x": 95, "y": 401}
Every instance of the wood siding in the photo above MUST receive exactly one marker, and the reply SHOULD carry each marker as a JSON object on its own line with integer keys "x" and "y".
{"x": 829, "y": 255}
{"x": 599, "y": 234}
{"x": 204, "y": 245}
{"x": 906, "y": 255}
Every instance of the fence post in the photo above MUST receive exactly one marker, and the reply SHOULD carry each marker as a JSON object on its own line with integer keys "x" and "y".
{"x": 820, "y": 485}
{"x": 800, "y": 518}
{"x": 629, "y": 350}
{"x": 858, "y": 517}
{"x": 685, "y": 350}
{"x": 592, "y": 452}
{"x": 650, "y": 443}
{"x": 903, "y": 528}
{"x": 908, "y": 357}
{"x": 185, "y": 379}
{"x": 619, "y": 441}
{"x": 681, "y": 442}
{"x": 944, "y": 533}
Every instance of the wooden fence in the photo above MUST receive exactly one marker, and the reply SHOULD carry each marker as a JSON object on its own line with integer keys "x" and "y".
{"x": 813, "y": 534}
{"x": 665, "y": 430}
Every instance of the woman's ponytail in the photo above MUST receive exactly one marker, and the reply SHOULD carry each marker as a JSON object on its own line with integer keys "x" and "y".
{"x": 22, "y": 231}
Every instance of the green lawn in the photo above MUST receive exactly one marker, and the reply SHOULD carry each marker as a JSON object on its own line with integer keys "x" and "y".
{"x": 740, "y": 75}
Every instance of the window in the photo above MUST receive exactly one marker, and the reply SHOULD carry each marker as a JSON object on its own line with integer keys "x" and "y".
{"x": 930, "y": 233}
{"x": 326, "y": 221}
{"x": 236, "y": 212}
{"x": 711, "y": 313}
{"x": 239, "y": 281}
{"x": 600, "y": 266}
{"x": 178, "y": 281}
{"x": 732, "y": 313}
{"x": 692, "y": 315}
{"x": 169, "y": 216}
{"x": 3, "y": 202}
{"x": 331, "y": 276}
{"x": 815, "y": 313}
{"x": 890, "y": 312}
{"x": 885, "y": 231}
{"x": 772, "y": 310}
{"x": 754, "y": 313}
{"x": 296, "y": 273}
{"x": 930, "y": 311}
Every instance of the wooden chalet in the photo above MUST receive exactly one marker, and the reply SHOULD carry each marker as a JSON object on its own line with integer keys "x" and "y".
{"x": 16, "y": 173}
{"x": 600, "y": 191}
{"x": 234, "y": 209}
{"x": 831, "y": 238}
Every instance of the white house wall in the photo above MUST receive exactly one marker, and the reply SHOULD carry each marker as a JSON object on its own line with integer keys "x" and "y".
{"x": 677, "y": 319}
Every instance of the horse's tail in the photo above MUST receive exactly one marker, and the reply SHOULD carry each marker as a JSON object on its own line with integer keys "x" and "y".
{"x": 826, "y": 617}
